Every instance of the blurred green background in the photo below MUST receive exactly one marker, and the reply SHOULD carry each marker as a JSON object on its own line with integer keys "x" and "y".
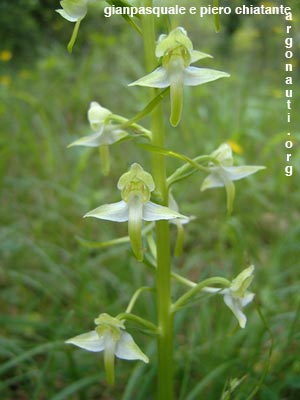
{"x": 51, "y": 287}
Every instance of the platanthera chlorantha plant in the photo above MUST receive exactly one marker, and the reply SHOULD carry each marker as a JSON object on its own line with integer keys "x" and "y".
{"x": 147, "y": 203}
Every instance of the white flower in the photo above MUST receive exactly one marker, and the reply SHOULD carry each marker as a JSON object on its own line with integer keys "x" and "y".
{"x": 136, "y": 187}
{"x": 110, "y": 337}
{"x": 73, "y": 10}
{"x": 176, "y": 52}
{"x": 223, "y": 173}
{"x": 106, "y": 133}
{"x": 236, "y": 297}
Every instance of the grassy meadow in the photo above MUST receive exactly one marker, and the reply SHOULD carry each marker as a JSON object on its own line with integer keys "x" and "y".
{"x": 52, "y": 286}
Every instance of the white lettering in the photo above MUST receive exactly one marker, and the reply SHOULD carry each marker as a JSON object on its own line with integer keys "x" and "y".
{"x": 288, "y": 144}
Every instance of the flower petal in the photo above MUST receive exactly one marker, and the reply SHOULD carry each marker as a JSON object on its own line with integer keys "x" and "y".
{"x": 236, "y": 173}
{"x": 112, "y": 134}
{"x": 106, "y": 136}
{"x": 167, "y": 43}
{"x": 224, "y": 155}
{"x": 127, "y": 349}
{"x": 90, "y": 341}
{"x": 158, "y": 78}
{"x": 73, "y": 10}
{"x": 68, "y": 17}
{"x": 117, "y": 212}
{"x": 224, "y": 176}
{"x": 93, "y": 140}
{"x": 155, "y": 212}
{"x": 97, "y": 115}
{"x": 220, "y": 178}
{"x": 243, "y": 280}
{"x": 248, "y": 297}
{"x": 193, "y": 76}
{"x": 236, "y": 307}
{"x": 211, "y": 181}
{"x": 198, "y": 55}
{"x": 136, "y": 173}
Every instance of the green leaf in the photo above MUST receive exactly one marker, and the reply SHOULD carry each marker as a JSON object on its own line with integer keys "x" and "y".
{"x": 170, "y": 153}
{"x": 149, "y": 107}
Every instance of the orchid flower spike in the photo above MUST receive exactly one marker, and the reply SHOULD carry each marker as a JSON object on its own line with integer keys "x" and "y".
{"x": 176, "y": 53}
{"x": 106, "y": 133}
{"x": 223, "y": 173}
{"x": 136, "y": 186}
{"x": 236, "y": 297}
{"x": 110, "y": 337}
{"x": 74, "y": 11}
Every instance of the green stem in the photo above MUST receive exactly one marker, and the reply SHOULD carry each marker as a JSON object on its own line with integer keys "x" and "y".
{"x": 189, "y": 168}
{"x": 163, "y": 272}
{"x": 135, "y": 297}
{"x": 148, "y": 108}
{"x": 183, "y": 280}
{"x": 126, "y": 123}
{"x": 181, "y": 302}
{"x": 141, "y": 321}
{"x": 182, "y": 157}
